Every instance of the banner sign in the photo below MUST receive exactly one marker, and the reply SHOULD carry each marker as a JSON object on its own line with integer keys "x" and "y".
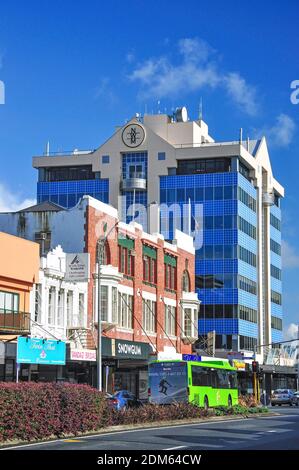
{"x": 40, "y": 351}
{"x": 83, "y": 355}
{"x": 77, "y": 267}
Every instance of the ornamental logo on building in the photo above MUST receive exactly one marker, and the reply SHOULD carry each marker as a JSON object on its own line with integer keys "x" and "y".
{"x": 77, "y": 267}
{"x": 133, "y": 135}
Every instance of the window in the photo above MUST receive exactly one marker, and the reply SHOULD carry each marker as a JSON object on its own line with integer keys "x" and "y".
{"x": 247, "y": 285}
{"x": 169, "y": 319}
{"x": 247, "y": 256}
{"x": 125, "y": 310}
{"x": 246, "y": 227}
{"x": 248, "y": 343}
{"x": 248, "y": 200}
{"x": 126, "y": 261}
{"x": 201, "y": 165}
{"x": 69, "y": 307}
{"x": 248, "y": 314}
{"x": 38, "y": 303}
{"x": 276, "y": 323}
{"x": 200, "y": 376}
{"x": 104, "y": 303}
{"x": 149, "y": 264}
{"x": 44, "y": 241}
{"x": 186, "y": 282}
{"x": 244, "y": 170}
{"x": 52, "y": 306}
{"x": 149, "y": 315}
{"x": 81, "y": 308}
{"x": 276, "y": 297}
{"x": 105, "y": 159}
{"x": 114, "y": 305}
{"x": 275, "y": 272}
{"x": 275, "y": 222}
{"x": 190, "y": 322}
{"x": 9, "y": 302}
{"x": 60, "y": 308}
{"x": 67, "y": 173}
{"x": 275, "y": 247}
{"x": 161, "y": 156}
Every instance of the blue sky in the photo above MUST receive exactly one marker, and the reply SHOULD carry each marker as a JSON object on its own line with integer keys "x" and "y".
{"x": 74, "y": 70}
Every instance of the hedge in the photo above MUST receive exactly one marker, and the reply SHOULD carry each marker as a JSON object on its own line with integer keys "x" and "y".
{"x": 35, "y": 411}
{"x": 30, "y": 411}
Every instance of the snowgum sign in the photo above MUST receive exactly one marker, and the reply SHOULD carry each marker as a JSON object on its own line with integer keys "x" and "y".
{"x": 130, "y": 349}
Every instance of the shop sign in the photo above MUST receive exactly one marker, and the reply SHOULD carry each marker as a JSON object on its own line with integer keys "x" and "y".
{"x": 130, "y": 349}
{"x": 77, "y": 267}
{"x": 40, "y": 351}
{"x": 83, "y": 355}
{"x": 239, "y": 365}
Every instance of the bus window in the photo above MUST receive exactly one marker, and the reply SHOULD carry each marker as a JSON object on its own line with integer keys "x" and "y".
{"x": 214, "y": 382}
{"x": 200, "y": 376}
{"x": 232, "y": 376}
{"x": 223, "y": 378}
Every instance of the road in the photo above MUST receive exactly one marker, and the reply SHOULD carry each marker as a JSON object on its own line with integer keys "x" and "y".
{"x": 273, "y": 432}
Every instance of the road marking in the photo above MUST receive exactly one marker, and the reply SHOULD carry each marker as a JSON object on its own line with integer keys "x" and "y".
{"x": 158, "y": 428}
{"x": 173, "y": 448}
{"x": 72, "y": 440}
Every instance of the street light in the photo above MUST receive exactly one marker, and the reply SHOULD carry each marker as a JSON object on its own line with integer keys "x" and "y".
{"x": 100, "y": 256}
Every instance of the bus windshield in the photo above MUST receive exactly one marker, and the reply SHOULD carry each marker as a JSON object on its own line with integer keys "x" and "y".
{"x": 168, "y": 382}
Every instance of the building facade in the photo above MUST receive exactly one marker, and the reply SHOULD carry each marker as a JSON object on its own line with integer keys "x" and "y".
{"x": 175, "y": 162}
{"x": 148, "y": 304}
{"x": 19, "y": 270}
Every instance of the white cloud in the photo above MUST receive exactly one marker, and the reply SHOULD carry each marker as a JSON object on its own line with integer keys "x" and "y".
{"x": 198, "y": 68}
{"x": 242, "y": 93}
{"x": 290, "y": 259}
{"x": 290, "y": 331}
{"x": 104, "y": 90}
{"x": 12, "y": 202}
{"x": 281, "y": 133}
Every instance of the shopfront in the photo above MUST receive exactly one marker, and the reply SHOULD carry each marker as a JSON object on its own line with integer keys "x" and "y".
{"x": 124, "y": 366}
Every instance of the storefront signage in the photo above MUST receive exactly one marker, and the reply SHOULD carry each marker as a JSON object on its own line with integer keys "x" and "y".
{"x": 130, "y": 349}
{"x": 77, "y": 267}
{"x": 191, "y": 357}
{"x": 40, "y": 351}
{"x": 239, "y": 365}
{"x": 83, "y": 355}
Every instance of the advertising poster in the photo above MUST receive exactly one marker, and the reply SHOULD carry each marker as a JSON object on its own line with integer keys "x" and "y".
{"x": 168, "y": 382}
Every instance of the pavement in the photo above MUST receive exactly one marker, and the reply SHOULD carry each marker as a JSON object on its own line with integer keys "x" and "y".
{"x": 280, "y": 432}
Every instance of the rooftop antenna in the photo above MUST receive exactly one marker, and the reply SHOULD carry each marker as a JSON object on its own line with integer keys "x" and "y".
{"x": 200, "y": 110}
{"x": 241, "y": 135}
{"x": 48, "y": 149}
{"x": 247, "y": 143}
{"x": 159, "y": 112}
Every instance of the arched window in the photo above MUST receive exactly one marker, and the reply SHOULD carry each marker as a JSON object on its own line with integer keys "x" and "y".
{"x": 105, "y": 254}
{"x": 186, "y": 281}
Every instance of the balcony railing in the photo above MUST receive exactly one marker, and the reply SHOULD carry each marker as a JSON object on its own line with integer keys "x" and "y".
{"x": 14, "y": 320}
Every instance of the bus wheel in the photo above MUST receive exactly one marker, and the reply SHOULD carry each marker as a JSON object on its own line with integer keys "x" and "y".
{"x": 229, "y": 402}
{"x": 206, "y": 404}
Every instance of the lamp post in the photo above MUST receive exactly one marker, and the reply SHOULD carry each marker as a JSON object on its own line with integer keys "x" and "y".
{"x": 100, "y": 256}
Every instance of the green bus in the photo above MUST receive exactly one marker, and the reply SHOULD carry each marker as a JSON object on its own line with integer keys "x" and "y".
{"x": 204, "y": 383}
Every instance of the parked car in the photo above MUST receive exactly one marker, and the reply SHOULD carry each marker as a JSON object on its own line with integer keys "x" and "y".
{"x": 284, "y": 397}
{"x": 296, "y": 395}
{"x": 125, "y": 399}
